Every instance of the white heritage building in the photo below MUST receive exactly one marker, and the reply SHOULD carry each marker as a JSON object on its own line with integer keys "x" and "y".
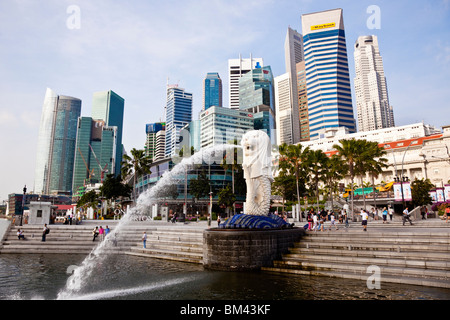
{"x": 416, "y": 150}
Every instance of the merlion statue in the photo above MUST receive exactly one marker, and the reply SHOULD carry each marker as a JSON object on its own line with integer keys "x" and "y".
{"x": 257, "y": 165}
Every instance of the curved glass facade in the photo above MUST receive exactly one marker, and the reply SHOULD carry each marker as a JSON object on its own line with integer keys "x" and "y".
{"x": 56, "y": 143}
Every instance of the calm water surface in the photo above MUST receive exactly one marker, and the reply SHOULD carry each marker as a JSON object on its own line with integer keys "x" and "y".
{"x": 27, "y": 277}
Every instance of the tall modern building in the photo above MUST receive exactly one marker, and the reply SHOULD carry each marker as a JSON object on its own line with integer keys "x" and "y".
{"x": 236, "y": 69}
{"x": 223, "y": 125}
{"x": 372, "y": 101}
{"x": 302, "y": 97}
{"x": 256, "y": 95}
{"x": 283, "y": 105}
{"x": 152, "y": 130}
{"x": 293, "y": 49}
{"x": 95, "y": 153}
{"x": 178, "y": 114}
{"x": 109, "y": 107}
{"x": 327, "y": 74}
{"x": 56, "y": 144}
{"x": 212, "y": 91}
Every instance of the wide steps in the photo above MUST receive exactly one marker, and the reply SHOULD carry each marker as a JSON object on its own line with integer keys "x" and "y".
{"x": 420, "y": 258}
{"x": 404, "y": 280}
{"x": 304, "y": 252}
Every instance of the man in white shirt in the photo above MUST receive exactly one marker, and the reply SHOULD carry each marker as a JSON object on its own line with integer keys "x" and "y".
{"x": 406, "y": 216}
{"x": 144, "y": 239}
{"x": 364, "y": 217}
{"x": 333, "y": 222}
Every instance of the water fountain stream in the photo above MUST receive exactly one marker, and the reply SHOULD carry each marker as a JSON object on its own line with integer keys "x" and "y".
{"x": 81, "y": 274}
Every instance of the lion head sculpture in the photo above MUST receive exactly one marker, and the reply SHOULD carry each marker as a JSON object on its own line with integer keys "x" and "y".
{"x": 257, "y": 151}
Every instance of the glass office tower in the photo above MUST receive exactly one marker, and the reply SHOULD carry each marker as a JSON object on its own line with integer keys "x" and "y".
{"x": 327, "y": 74}
{"x": 109, "y": 107}
{"x": 256, "y": 95}
{"x": 56, "y": 144}
{"x": 236, "y": 69}
{"x": 178, "y": 114}
{"x": 212, "y": 90}
{"x": 95, "y": 152}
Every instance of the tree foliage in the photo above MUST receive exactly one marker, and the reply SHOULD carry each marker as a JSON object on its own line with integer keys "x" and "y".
{"x": 420, "y": 192}
{"x": 113, "y": 188}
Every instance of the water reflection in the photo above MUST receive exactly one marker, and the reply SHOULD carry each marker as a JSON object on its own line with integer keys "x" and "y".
{"x": 128, "y": 277}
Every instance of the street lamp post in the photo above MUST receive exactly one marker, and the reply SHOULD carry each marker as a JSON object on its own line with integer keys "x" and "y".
{"x": 23, "y": 204}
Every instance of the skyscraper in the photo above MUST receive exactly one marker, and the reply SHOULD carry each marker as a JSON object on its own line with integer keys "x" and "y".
{"x": 95, "y": 152}
{"x": 293, "y": 49}
{"x": 302, "y": 98}
{"x": 109, "y": 107}
{"x": 327, "y": 74}
{"x": 372, "y": 101}
{"x": 152, "y": 130}
{"x": 212, "y": 91}
{"x": 56, "y": 144}
{"x": 178, "y": 114}
{"x": 223, "y": 126}
{"x": 256, "y": 95}
{"x": 283, "y": 104}
{"x": 236, "y": 69}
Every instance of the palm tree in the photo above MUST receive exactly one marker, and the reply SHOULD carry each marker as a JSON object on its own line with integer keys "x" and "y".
{"x": 376, "y": 164}
{"x": 138, "y": 164}
{"x": 335, "y": 172}
{"x": 349, "y": 150}
{"x": 317, "y": 162}
{"x": 292, "y": 160}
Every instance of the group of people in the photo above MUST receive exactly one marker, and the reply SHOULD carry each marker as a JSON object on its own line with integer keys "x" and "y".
{"x": 316, "y": 221}
{"x": 100, "y": 232}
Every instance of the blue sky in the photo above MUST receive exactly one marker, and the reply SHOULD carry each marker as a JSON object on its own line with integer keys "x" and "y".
{"x": 133, "y": 47}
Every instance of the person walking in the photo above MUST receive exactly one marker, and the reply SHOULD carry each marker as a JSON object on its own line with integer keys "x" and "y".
{"x": 144, "y": 239}
{"x": 364, "y": 217}
{"x": 332, "y": 221}
{"x": 391, "y": 212}
{"x": 95, "y": 233}
{"x": 406, "y": 216}
{"x": 315, "y": 221}
{"x": 385, "y": 213}
{"x": 107, "y": 230}
{"x": 45, "y": 232}
{"x": 422, "y": 212}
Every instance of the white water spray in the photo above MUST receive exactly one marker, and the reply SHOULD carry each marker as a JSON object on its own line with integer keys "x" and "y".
{"x": 81, "y": 274}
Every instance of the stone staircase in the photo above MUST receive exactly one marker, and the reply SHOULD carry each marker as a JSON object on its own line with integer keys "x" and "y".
{"x": 61, "y": 239}
{"x": 171, "y": 243}
{"x": 185, "y": 245}
{"x": 421, "y": 257}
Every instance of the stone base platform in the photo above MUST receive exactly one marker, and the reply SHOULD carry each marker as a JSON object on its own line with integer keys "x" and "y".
{"x": 246, "y": 250}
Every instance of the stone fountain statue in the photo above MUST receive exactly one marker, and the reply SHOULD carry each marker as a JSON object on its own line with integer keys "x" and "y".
{"x": 257, "y": 165}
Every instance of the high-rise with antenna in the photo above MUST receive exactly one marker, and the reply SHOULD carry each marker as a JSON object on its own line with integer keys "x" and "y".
{"x": 236, "y": 69}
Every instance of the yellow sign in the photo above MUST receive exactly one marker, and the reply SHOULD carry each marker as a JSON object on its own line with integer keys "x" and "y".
{"x": 323, "y": 26}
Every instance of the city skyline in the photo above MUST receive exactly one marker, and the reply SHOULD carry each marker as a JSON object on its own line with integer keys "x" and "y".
{"x": 132, "y": 50}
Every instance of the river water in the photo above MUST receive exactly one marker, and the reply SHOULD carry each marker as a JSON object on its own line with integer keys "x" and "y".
{"x": 41, "y": 277}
